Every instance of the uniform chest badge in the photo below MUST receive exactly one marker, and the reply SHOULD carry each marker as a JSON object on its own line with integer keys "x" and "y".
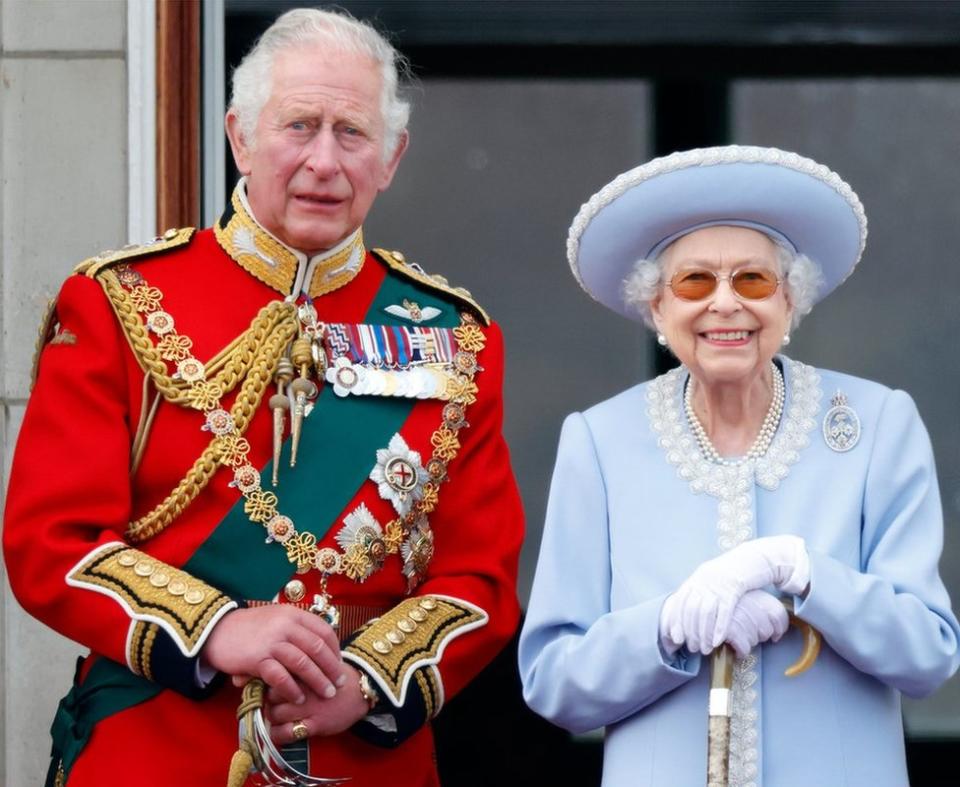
{"x": 361, "y": 539}
{"x": 841, "y": 424}
{"x": 399, "y": 475}
{"x": 413, "y": 312}
{"x": 417, "y": 552}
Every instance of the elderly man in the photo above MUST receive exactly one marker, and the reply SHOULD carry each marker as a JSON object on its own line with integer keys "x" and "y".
{"x": 259, "y": 454}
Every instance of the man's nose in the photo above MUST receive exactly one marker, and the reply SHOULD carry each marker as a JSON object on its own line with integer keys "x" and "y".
{"x": 323, "y": 157}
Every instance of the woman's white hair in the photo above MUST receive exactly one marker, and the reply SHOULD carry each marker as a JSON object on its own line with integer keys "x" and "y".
{"x": 801, "y": 275}
{"x": 252, "y": 79}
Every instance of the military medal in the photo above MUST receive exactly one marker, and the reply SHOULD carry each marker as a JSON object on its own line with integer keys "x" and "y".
{"x": 841, "y": 424}
{"x": 399, "y": 475}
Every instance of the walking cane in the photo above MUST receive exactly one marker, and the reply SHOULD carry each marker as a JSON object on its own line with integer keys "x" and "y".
{"x": 721, "y": 681}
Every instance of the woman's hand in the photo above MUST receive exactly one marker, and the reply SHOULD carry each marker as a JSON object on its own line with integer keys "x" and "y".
{"x": 759, "y": 617}
{"x": 320, "y": 715}
{"x": 292, "y": 651}
{"x": 699, "y": 613}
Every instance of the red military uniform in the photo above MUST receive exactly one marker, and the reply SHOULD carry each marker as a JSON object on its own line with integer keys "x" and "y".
{"x": 133, "y": 523}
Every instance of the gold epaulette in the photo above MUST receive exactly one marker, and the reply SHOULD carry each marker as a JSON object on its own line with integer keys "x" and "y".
{"x": 171, "y": 239}
{"x": 399, "y": 263}
{"x": 92, "y": 266}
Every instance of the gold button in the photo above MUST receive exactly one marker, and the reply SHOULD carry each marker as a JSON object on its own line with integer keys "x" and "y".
{"x": 177, "y": 588}
{"x": 428, "y": 604}
{"x": 170, "y": 234}
{"x": 406, "y": 625}
{"x": 159, "y": 579}
{"x": 295, "y": 590}
{"x": 396, "y": 637}
{"x": 382, "y": 647}
{"x": 194, "y": 596}
{"x": 127, "y": 559}
{"x": 417, "y": 614}
{"x": 144, "y": 569}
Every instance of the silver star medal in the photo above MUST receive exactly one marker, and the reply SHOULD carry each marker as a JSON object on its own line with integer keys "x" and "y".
{"x": 399, "y": 475}
{"x": 841, "y": 424}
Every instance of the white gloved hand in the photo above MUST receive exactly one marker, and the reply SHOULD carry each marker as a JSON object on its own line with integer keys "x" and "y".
{"x": 758, "y": 617}
{"x": 698, "y": 614}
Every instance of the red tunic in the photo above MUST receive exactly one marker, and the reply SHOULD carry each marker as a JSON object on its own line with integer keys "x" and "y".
{"x": 71, "y": 491}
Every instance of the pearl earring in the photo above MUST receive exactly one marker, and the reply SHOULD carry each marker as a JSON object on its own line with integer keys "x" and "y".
{"x": 786, "y": 339}
{"x": 661, "y": 340}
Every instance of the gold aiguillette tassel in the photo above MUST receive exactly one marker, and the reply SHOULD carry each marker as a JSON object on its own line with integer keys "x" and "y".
{"x": 279, "y": 404}
{"x": 303, "y": 388}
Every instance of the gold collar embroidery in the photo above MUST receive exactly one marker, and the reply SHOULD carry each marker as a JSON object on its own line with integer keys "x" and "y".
{"x": 276, "y": 264}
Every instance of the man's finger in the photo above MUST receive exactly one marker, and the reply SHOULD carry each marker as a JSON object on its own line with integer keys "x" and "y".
{"x": 319, "y": 651}
{"x": 304, "y": 668}
{"x": 277, "y": 676}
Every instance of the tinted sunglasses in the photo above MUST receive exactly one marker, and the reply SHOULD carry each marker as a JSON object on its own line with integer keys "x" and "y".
{"x": 752, "y": 284}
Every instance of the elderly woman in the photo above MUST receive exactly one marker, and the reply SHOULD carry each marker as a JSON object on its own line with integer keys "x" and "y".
{"x": 683, "y": 510}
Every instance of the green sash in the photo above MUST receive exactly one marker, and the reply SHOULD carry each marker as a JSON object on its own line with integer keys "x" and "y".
{"x": 337, "y": 450}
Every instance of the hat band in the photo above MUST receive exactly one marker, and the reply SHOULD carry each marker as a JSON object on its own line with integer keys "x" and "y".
{"x": 770, "y": 232}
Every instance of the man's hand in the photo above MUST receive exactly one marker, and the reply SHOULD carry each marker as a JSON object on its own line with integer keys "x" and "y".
{"x": 321, "y": 716}
{"x": 295, "y": 653}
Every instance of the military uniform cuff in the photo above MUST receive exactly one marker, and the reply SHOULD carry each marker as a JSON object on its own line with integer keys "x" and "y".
{"x": 171, "y": 612}
{"x": 399, "y": 652}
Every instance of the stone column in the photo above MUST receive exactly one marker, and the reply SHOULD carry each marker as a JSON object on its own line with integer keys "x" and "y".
{"x": 63, "y": 159}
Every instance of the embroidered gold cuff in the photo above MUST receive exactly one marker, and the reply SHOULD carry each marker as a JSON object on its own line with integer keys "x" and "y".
{"x": 152, "y": 592}
{"x": 393, "y": 649}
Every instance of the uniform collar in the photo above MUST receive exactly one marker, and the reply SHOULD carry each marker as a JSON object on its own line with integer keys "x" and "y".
{"x": 286, "y": 270}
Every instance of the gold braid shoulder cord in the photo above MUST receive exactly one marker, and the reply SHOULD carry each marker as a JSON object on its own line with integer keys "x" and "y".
{"x": 254, "y": 357}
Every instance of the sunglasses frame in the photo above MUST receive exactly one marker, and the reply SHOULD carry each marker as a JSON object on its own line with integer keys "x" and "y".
{"x": 728, "y": 277}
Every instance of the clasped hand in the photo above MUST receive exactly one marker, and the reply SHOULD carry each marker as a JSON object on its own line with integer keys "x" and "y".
{"x": 723, "y": 600}
{"x": 297, "y": 655}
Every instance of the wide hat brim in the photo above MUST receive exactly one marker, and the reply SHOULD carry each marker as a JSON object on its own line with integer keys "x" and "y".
{"x": 785, "y": 195}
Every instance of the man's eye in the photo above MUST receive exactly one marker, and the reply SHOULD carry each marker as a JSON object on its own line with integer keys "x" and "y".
{"x": 299, "y": 125}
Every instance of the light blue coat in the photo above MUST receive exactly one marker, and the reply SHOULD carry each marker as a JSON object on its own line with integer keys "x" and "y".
{"x": 634, "y": 510}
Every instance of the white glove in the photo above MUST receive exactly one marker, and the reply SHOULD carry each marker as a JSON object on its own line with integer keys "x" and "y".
{"x": 698, "y": 614}
{"x": 759, "y": 617}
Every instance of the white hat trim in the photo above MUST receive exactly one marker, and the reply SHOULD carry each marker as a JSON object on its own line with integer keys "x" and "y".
{"x": 703, "y": 157}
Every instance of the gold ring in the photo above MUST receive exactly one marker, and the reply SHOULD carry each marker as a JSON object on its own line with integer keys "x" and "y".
{"x": 299, "y": 731}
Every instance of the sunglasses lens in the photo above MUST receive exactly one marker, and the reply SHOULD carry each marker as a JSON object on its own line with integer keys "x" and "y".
{"x": 754, "y": 283}
{"x": 693, "y": 285}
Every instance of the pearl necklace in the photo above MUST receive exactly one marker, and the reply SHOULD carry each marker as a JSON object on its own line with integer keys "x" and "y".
{"x": 767, "y": 429}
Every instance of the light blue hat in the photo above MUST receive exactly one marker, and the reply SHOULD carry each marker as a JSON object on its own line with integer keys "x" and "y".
{"x": 792, "y": 199}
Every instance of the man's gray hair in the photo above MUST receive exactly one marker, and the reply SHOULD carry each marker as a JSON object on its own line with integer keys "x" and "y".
{"x": 801, "y": 275}
{"x": 338, "y": 30}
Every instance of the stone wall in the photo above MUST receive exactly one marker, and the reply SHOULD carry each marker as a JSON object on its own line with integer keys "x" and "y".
{"x": 63, "y": 160}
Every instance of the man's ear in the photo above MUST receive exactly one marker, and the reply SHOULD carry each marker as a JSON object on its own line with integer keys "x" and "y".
{"x": 391, "y": 166}
{"x": 238, "y": 142}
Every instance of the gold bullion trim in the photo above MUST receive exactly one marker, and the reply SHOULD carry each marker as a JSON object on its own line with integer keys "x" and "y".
{"x": 171, "y": 239}
{"x": 398, "y": 262}
{"x": 270, "y": 261}
{"x": 140, "y": 648}
{"x": 393, "y": 654}
{"x": 153, "y": 592}
{"x": 428, "y": 681}
{"x": 255, "y": 250}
